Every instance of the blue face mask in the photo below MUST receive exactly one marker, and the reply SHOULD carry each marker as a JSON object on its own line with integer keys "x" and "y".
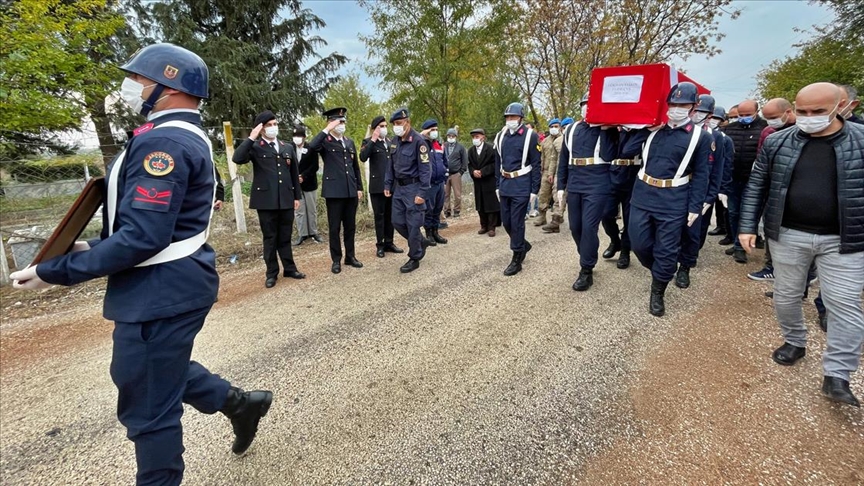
{"x": 746, "y": 120}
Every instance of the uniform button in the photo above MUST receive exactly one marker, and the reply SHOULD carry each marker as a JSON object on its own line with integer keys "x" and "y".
{"x": 280, "y": 173}
{"x": 280, "y": 182}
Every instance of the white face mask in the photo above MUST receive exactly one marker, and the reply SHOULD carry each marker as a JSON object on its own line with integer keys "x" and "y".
{"x": 733, "y": 119}
{"x": 382, "y": 132}
{"x": 815, "y": 124}
{"x": 477, "y": 142}
{"x": 451, "y": 139}
{"x": 398, "y": 130}
{"x": 775, "y": 123}
{"x": 271, "y": 131}
{"x": 340, "y": 128}
{"x": 678, "y": 114}
{"x": 554, "y": 131}
{"x": 433, "y": 134}
{"x": 512, "y": 124}
{"x": 583, "y": 111}
{"x": 131, "y": 92}
{"x": 713, "y": 123}
{"x": 298, "y": 141}
{"x": 699, "y": 117}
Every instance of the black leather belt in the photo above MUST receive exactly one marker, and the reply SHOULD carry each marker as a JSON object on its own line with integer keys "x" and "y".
{"x": 408, "y": 181}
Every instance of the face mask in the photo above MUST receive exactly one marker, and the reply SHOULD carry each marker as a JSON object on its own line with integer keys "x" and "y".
{"x": 433, "y": 134}
{"x": 699, "y": 117}
{"x": 271, "y": 132}
{"x": 713, "y": 123}
{"x": 298, "y": 141}
{"x": 846, "y": 112}
{"x": 340, "y": 129}
{"x": 775, "y": 123}
{"x": 399, "y": 130}
{"x": 477, "y": 142}
{"x": 815, "y": 124}
{"x": 131, "y": 91}
{"x": 678, "y": 114}
{"x": 513, "y": 124}
{"x": 382, "y": 131}
{"x": 451, "y": 140}
{"x": 733, "y": 119}
{"x": 554, "y": 131}
{"x": 746, "y": 120}
{"x": 584, "y": 111}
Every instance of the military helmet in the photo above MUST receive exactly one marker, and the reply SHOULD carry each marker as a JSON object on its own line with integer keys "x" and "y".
{"x": 705, "y": 104}
{"x": 719, "y": 112}
{"x": 584, "y": 99}
{"x": 515, "y": 109}
{"x": 171, "y": 66}
{"x": 683, "y": 93}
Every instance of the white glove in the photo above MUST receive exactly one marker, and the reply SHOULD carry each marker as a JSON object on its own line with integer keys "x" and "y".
{"x": 27, "y": 279}
{"x": 560, "y": 196}
{"x": 705, "y": 208}
{"x": 723, "y": 199}
{"x": 532, "y": 200}
{"x": 80, "y": 246}
{"x": 691, "y": 218}
{"x": 498, "y": 194}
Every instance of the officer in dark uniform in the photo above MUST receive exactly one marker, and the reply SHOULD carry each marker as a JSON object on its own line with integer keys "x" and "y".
{"x": 583, "y": 171}
{"x": 376, "y": 150}
{"x": 342, "y": 187}
{"x": 518, "y": 171}
{"x": 275, "y": 194}
{"x": 435, "y": 196}
{"x": 162, "y": 276}
{"x": 407, "y": 181}
{"x": 671, "y": 189}
{"x": 693, "y": 237}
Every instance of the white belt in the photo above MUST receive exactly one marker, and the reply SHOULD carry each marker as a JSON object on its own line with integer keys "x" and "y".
{"x": 588, "y": 161}
{"x": 516, "y": 173}
{"x": 664, "y": 183}
{"x": 627, "y": 162}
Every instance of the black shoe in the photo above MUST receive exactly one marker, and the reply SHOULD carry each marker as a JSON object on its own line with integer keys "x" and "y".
{"x": 788, "y": 355}
{"x": 585, "y": 280}
{"x": 336, "y": 267}
{"x": 524, "y": 253}
{"x": 769, "y": 294}
{"x": 623, "y": 260}
{"x": 430, "y": 241}
{"x": 438, "y": 238}
{"x": 515, "y": 264}
{"x": 294, "y": 274}
{"x": 823, "y": 322}
{"x": 730, "y": 251}
{"x": 717, "y": 231}
{"x": 351, "y": 261}
{"x": 390, "y": 247}
{"x": 682, "y": 278}
{"x": 837, "y": 389}
{"x": 760, "y": 242}
{"x": 740, "y": 256}
{"x": 410, "y": 266}
{"x": 270, "y": 282}
{"x": 317, "y": 238}
{"x": 656, "y": 305}
{"x": 380, "y": 252}
{"x": 245, "y": 410}
{"x": 299, "y": 241}
{"x": 728, "y": 240}
{"x": 612, "y": 250}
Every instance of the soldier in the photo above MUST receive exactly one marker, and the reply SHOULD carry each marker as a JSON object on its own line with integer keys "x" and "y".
{"x": 693, "y": 236}
{"x": 435, "y": 196}
{"x": 517, "y": 163}
{"x": 342, "y": 187}
{"x": 549, "y": 151}
{"x": 162, "y": 278}
{"x": 407, "y": 181}
{"x": 559, "y": 203}
{"x": 376, "y": 149}
{"x": 670, "y": 191}
{"x": 275, "y": 194}
{"x": 583, "y": 171}
{"x": 481, "y": 163}
{"x": 727, "y": 150}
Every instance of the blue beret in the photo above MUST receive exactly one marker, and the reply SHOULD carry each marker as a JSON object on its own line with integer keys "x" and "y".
{"x": 554, "y": 121}
{"x": 429, "y": 123}
{"x": 399, "y": 114}
{"x": 566, "y": 121}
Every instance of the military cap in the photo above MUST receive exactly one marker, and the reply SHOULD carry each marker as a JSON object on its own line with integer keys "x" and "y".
{"x": 554, "y": 121}
{"x": 376, "y": 121}
{"x": 336, "y": 113}
{"x": 264, "y": 117}
{"x": 299, "y": 131}
{"x": 567, "y": 121}
{"x": 429, "y": 123}
{"x": 479, "y": 131}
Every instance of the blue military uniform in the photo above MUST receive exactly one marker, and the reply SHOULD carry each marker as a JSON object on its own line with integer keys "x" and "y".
{"x": 408, "y": 177}
{"x": 435, "y": 195}
{"x": 623, "y": 171}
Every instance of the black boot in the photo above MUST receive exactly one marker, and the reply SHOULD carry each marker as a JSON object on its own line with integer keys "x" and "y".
{"x": 410, "y": 266}
{"x": 682, "y": 278}
{"x": 623, "y": 260}
{"x": 515, "y": 264}
{"x": 438, "y": 238}
{"x": 657, "y": 307}
{"x": 611, "y": 250}
{"x": 524, "y": 253}
{"x": 719, "y": 230}
{"x": 245, "y": 409}
{"x": 837, "y": 389}
{"x": 585, "y": 280}
{"x": 430, "y": 241}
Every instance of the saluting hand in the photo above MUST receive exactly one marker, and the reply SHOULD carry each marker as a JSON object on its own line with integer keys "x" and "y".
{"x": 253, "y": 135}
{"x": 375, "y": 134}
{"x": 330, "y": 126}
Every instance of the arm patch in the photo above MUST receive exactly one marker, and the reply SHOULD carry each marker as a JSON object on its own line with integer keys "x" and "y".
{"x": 153, "y": 194}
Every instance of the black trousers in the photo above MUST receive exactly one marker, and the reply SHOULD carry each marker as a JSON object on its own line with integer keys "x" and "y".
{"x": 382, "y": 208}
{"x": 722, "y": 216}
{"x": 341, "y": 215}
{"x": 277, "y": 226}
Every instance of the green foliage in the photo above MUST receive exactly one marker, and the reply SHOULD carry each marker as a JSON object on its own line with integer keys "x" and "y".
{"x": 362, "y": 109}
{"x": 849, "y": 21}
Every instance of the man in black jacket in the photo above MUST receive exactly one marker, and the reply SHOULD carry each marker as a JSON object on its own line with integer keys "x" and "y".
{"x": 376, "y": 150}
{"x": 745, "y": 134}
{"x": 275, "y": 192}
{"x": 307, "y": 215}
{"x": 811, "y": 180}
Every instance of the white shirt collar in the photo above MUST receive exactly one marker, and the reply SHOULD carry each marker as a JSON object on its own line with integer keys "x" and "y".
{"x": 153, "y": 116}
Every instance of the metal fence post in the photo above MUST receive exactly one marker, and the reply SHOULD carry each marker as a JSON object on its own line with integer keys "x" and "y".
{"x": 236, "y": 187}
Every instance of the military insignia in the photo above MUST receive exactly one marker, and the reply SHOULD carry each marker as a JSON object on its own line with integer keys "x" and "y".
{"x": 153, "y": 195}
{"x": 158, "y": 163}
{"x": 713, "y": 146}
{"x": 520, "y": 131}
{"x": 170, "y": 71}
{"x": 678, "y": 94}
{"x": 262, "y": 143}
{"x": 688, "y": 128}
{"x": 539, "y": 148}
{"x": 424, "y": 158}
{"x": 424, "y": 149}
{"x": 142, "y": 129}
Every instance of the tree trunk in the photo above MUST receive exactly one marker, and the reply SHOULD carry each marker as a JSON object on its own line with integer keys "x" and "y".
{"x": 107, "y": 144}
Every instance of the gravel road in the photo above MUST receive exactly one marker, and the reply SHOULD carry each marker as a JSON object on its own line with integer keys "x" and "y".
{"x": 455, "y": 374}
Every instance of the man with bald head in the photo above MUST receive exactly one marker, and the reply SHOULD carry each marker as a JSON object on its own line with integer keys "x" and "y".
{"x": 745, "y": 134}
{"x": 811, "y": 179}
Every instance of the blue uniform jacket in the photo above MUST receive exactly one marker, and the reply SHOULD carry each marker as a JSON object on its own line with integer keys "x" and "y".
{"x": 439, "y": 162}
{"x": 666, "y": 153}
{"x": 718, "y": 159}
{"x": 156, "y": 205}
{"x": 510, "y": 159}
{"x": 587, "y": 179}
{"x": 410, "y": 160}
{"x": 728, "y": 157}
{"x": 629, "y": 147}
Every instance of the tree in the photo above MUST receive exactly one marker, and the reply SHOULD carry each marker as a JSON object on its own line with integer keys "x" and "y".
{"x": 362, "y": 109}
{"x": 849, "y": 21}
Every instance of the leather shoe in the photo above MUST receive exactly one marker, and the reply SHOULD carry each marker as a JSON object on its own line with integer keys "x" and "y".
{"x": 336, "y": 267}
{"x": 390, "y": 247}
{"x": 317, "y": 238}
{"x": 294, "y": 274}
{"x": 612, "y": 250}
{"x": 682, "y": 278}
{"x": 623, "y": 260}
{"x": 788, "y": 355}
{"x": 270, "y": 282}
{"x": 730, "y": 251}
{"x": 585, "y": 280}
{"x": 823, "y": 322}
{"x": 728, "y": 240}
{"x": 299, "y": 241}
{"x": 410, "y": 266}
{"x": 837, "y": 389}
{"x": 482, "y": 231}
{"x": 353, "y": 262}
{"x": 740, "y": 256}
{"x": 245, "y": 409}
{"x": 491, "y": 233}
{"x": 717, "y": 231}
{"x": 380, "y": 252}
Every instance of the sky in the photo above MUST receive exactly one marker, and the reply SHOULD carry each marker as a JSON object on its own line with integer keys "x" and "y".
{"x": 764, "y": 31}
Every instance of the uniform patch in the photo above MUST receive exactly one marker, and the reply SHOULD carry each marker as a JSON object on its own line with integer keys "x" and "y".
{"x": 142, "y": 129}
{"x": 539, "y": 148}
{"x": 153, "y": 195}
{"x": 158, "y": 163}
{"x": 713, "y": 146}
{"x": 423, "y": 149}
{"x": 424, "y": 158}
{"x": 170, "y": 71}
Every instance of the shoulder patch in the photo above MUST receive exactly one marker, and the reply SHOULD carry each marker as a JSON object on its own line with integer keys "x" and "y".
{"x": 423, "y": 148}
{"x": 424, "y": 158}
{"x": 142, "y": 129}
{"x": 539, "y": 148}
{"x": 153, "y": 194}
{"x": 158, "y": 163}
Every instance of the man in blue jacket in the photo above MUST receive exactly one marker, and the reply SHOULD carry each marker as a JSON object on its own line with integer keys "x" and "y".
{"x": 435, "y": 196}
